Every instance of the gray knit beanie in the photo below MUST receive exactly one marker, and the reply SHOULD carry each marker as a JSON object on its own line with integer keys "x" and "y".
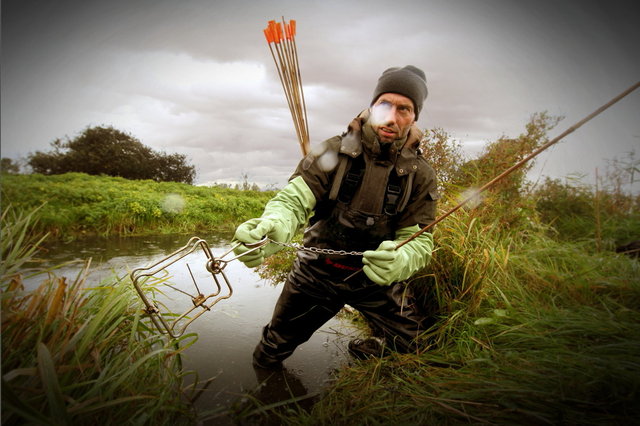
{"x": 408, "y": 81}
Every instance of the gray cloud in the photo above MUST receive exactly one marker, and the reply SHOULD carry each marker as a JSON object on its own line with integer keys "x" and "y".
{"x": 196, "y": 77}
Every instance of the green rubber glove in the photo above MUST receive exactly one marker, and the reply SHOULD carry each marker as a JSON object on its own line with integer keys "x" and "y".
{"x": 386, "y": 265}
{"x": 283, "y": 216}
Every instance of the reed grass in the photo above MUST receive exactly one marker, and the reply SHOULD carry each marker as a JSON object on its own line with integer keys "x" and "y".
{"x": 75, "y": 353}
{"x": 18, "y": 242}
{"x": 533, "y": 324}
{"x": 528, "y": 330}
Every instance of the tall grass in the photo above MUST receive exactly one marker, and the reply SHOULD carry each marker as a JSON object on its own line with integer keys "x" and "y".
{"x": 579, "y": 212}
{"x": 532, "y": 322}
{"x": 536, "y": 320}
{"x": 18, "y": 243}
{"x": 79, "y": 354}
{"x": 528, "y": 330}
{"x": 76, "y": 204}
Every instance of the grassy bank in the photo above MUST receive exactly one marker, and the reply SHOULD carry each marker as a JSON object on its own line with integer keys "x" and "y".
{"x": 76, "y": 352}
{"x": 80, "y": 352}
{"x": 529, "y": 330}
{"x": 76, "y": 204}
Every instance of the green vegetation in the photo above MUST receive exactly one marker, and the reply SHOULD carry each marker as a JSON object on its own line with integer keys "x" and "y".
{"x": 75, "y": 353}
{"x": 77, "y": 204}
{"x": 537, "y": 319}
{"x": 105, "y": 150}
{"x": 8, "y": 165}
{"x": 576, "y": 212}
{"x": 529, "y": 331}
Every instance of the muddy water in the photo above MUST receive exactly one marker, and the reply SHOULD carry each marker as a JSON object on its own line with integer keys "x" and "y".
{"x": 228, "y": 332}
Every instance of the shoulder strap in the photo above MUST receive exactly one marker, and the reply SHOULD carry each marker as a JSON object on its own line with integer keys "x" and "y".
{"x": 345, "y": 183}
{"x": 407, "y": 192}
{"x": 337, "y": 178}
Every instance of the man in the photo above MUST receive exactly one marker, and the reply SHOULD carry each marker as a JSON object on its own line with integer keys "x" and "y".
{"x": 367, "y": 190}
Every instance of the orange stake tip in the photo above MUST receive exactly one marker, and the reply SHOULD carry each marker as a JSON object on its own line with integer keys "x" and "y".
{"x": 272, "y": 28}
{"x": 267, "y": 35}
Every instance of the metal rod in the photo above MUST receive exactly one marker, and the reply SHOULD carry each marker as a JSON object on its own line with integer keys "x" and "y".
{"x": 177, "y": 289}
{"x": 193, "y": 279}
{"x": 521, "y": 162}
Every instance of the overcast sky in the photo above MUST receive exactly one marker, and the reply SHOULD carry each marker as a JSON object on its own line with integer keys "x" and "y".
{"x": 196, "y": 77}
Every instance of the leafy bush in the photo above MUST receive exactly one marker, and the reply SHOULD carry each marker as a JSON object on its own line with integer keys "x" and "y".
{"x": 444, "y": 154}
{"x": 577, "y": 212}
{"x": 105, "y": 150}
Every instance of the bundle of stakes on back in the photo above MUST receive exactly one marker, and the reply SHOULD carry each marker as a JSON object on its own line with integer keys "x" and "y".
{"x": 281, "y": 39}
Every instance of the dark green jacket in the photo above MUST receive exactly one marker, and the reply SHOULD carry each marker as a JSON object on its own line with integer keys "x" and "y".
{"x": 363, "y": 219}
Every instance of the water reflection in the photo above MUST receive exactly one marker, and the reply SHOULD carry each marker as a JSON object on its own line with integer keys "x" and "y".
{"x": 228, "y": 333}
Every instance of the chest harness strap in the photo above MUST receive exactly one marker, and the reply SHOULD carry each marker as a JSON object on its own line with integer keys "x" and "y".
{"x": 349, "y": 176}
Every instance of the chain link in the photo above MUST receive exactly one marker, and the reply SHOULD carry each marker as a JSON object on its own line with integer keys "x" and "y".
{"x": 317, "y": 249}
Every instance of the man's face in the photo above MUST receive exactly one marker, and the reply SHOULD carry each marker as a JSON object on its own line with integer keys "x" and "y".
{"x": 392, "y": 116}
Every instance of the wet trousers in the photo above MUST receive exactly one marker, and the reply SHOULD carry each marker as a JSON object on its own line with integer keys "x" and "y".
{"x": 315, "y": 291}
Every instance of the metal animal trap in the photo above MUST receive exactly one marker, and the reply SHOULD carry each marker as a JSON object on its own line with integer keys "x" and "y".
{"x": 154, "y": 282}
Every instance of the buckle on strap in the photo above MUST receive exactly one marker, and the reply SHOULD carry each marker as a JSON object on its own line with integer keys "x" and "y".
{"x": 392, "y": 199}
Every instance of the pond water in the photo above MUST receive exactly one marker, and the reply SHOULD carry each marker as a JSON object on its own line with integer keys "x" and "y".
{"x": 228, "y": 333}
